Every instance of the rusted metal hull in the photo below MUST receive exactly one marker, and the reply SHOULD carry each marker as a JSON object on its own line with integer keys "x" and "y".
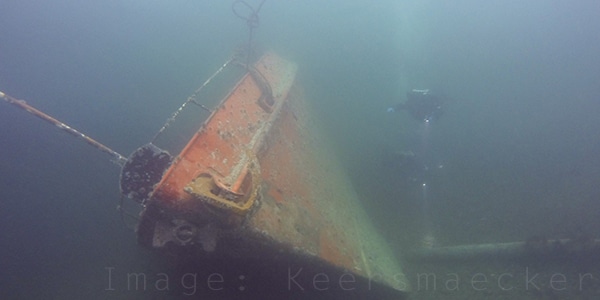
{"x": 260, "y": 181}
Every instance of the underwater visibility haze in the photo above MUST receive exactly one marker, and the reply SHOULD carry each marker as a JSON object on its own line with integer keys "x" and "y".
{"x": 515, "y": 156}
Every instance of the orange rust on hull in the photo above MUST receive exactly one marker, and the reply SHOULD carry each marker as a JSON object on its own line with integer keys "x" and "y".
{"x": 259, "y": 180}
{"x": 227, "y": 143}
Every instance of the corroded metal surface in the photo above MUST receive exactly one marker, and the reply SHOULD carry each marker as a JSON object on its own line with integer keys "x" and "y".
{"x": 259, "y": 180}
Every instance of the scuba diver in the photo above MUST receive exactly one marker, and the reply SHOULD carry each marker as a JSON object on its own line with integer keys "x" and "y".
{"x": 422, "y": 105}
{"x": 410, "y": 169}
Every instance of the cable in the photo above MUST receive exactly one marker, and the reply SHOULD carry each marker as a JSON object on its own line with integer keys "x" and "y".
{"x": 252, "y": 21}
